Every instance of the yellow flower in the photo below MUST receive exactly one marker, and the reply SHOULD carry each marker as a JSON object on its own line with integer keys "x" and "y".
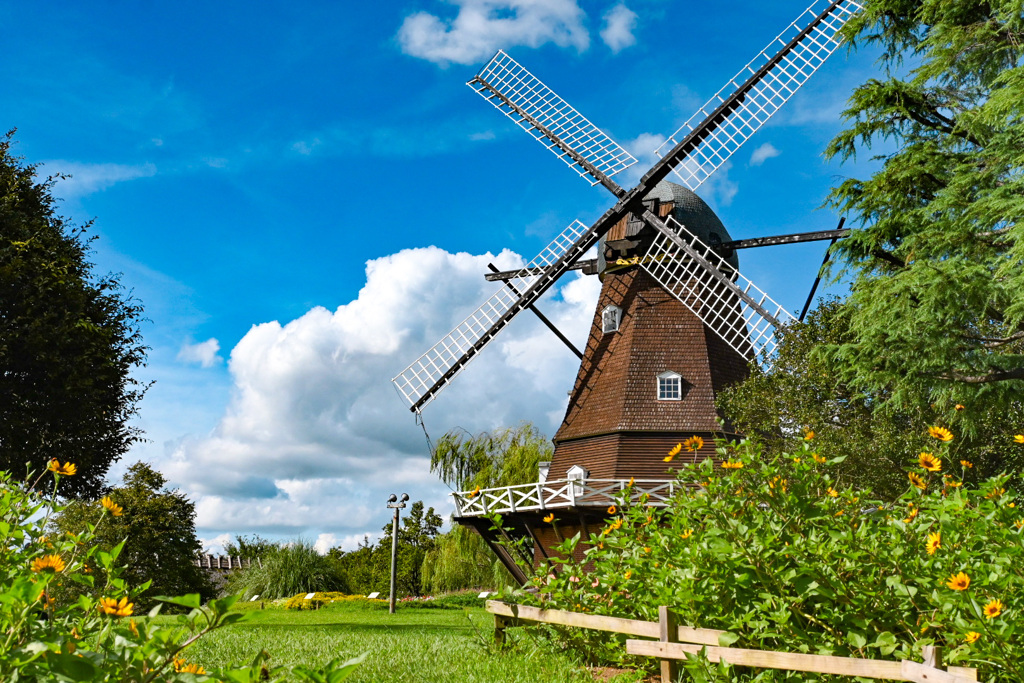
{"x": 115, "y": 509}
{"x": 780, "y": 481}
{"x": 647, "y": 549}
{"x": 612, "y": 510}
{"x": 550, "y": 518}
{"x": 929, "y": 462}
{"x": 958, "y": 582}
{"x": 113, "y": 607}
{"x": 952, "y": 482}
{"x": 67, "y": 470}
{"x": 820, "y": 459}
{"x": 911, "y": 514}
{"x": 972, "y": 636}
{"x": 630, "y": 484}
{"x": 796, "y": 460}
{"x": 934, "y": 542}
{"x": 1019, "y": 524}
{"x": 732, "y": 465}
{"x": 183, "y": 667}
{"x": 614, "y": 526}
{"x": 967, "y": 464}
{"x": 958, "y": 407}
{"x": 134, "y": 629}
{"x": 995, "y": 492}
{"x": 1019, "y": 438}
{"x": 628, "y": 574}
{"x": 993, "y": 609}
{"x": 916, "y": 480}
{"x": 686, "y": 534}
{"x": 694, "y": 443}
{"x": 940, "y": 433}
{"x": 474, "y": 493}
{"x": 808, "y": 435}
{"x": 674, "y": 452}
{"x": 46, "y": 600}
{"x": 48, "y": 563}
{"x": 832, "y": 492}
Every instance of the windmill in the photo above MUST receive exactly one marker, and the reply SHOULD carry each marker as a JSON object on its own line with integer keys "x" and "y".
{"x": 676, "y": 320}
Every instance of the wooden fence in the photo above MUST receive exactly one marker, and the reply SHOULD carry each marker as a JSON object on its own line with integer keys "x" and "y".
{"x": 223, "y": 562}
{"x": 674, "y": 642}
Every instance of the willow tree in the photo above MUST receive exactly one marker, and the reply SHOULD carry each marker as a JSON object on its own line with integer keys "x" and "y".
{"x": 505, "y": 457}
{"x": 937, "y": 266}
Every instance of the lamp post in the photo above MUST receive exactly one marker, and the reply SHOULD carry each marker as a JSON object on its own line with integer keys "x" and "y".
{"x": 397, "y": 504}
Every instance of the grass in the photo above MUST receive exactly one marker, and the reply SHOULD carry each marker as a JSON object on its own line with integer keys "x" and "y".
{"x": 435, "y": 645}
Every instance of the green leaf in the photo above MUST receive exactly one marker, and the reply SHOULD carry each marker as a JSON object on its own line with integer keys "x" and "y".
{"x": 855, "y": 639}
{"x": 727, "y": 639}
{"x": 191, "y": 600}
{"x": 70, "y": 666}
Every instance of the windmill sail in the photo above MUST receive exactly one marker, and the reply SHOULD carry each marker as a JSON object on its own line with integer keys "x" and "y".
{"x": 420, "y": 382}
{"x": 549, "y": 119}
{"x": 748, "y": 100}
{"x": 724, "y": 300}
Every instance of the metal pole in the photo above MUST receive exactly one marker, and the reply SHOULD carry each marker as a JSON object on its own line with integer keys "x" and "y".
{"x": 394, "y": 560}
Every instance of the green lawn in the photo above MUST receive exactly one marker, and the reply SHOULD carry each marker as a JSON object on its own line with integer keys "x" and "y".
{"x": 434, "y": 645}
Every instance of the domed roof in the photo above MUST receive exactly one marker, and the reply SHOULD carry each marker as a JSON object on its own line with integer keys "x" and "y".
{"x": 694, "y": 213}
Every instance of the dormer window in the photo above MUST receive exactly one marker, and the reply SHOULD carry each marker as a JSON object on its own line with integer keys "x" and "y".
{"x": 670, "y": 386}
{"x": 611, "y": 316}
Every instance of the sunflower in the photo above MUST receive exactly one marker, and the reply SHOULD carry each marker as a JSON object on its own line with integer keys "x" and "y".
{"x": 820, "y": 459}
{"x": 958, "y": 407}
{"x": 115, "y": 509}
{"x": 183, "y": 667}
{"x": 967, "y": 463}
{"x": 929, "y": 462}
{"x": 808, "y": 435}
{"x": 832, "y": 493}
{"x": 113, "y": 607}
{"x": 934, "y": 542}
{"x": 732, "y": 465}
{"x": 48, "y": 563}
{"x": 694, "y": 443}
{"x": 550, "y": 518}
{"x": 612, "y": 510}
{"x": 951, "y": 482}
{"x": 940, "y": 433}
{"x": 1019, "y": 438}
{"x": 972, "y": 636}
{"x": 993, "y": 609}
{"x": 916, "y": 480}
{"x": 67, "y": 470}
{"x": 911, "y": 514}
{"x": 686, "y": 534}
{"x": 958, "y": 582}
{"x": 474, "y": 493}
{"x": 674, "y": 452}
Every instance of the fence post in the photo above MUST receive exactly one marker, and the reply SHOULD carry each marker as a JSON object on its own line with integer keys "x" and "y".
{"x": 668, "y": 622}
{"x": 932, "y": 656}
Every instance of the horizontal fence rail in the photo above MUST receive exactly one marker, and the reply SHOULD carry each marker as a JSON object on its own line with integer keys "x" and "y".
{"x": 563, "y": 493}
{"x": 675, "y": 642}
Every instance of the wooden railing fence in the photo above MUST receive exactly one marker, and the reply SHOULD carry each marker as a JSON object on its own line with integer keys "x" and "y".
{"x": 674, "y": 642}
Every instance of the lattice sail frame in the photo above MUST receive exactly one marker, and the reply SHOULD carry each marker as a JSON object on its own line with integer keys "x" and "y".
{"x": 507, "y": 85}
{"x": 739, "y": 323}
{"x": 764, "y": 97}
{"x": 425, "y": 371}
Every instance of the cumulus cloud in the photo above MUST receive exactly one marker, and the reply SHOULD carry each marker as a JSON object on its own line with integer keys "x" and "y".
{"x": 202, "y": 353}
{"x": 89, "y": 178}
{"x": 481, "y": 27}
{"x": 315, "y": 437}
{"x": 619, "y": 23}
{"x": 763, "y": 153}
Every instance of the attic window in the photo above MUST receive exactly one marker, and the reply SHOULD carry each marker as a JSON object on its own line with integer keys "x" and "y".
{"x": 670, "y": 386}
{"x": 611, "y": 316}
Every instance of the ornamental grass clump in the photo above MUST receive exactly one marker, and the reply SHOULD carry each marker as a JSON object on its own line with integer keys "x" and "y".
{"x": 783, "y": 556}
{"x": 101, "y": 638}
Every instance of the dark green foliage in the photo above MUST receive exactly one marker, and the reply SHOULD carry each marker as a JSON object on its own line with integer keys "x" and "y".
{"x": 460, "y": 559}
{"x": 804, "y": 388}
{"x": 290, "y": 569}
{"x": 158, "y": 530}
{"x": 937, "y": 303}
{"x": 249, "y": 547}
{"x": 368, "y": 567}
{"x": 68, "y": 341}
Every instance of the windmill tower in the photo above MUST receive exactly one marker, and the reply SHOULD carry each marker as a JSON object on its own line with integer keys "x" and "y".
{"x": 676, "y": 321}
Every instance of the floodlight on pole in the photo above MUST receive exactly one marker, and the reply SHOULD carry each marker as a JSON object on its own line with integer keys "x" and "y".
{"x": 397, "y": 504}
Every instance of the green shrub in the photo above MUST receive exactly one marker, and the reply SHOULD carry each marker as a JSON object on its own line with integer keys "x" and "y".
{"x": 784, "y": 557}
{"x": 300, "y": 602}
{"x": 288, "y": 569}
{"x": 97, "y": 638}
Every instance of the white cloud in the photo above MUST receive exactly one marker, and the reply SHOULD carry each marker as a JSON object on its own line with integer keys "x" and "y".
{"x": 619, "y": 23}
{"x": 89, "y": 178}
{"x": 763, "y": 153}
{"x": 216, "y": 545}
{"x": 481, "y": 27}
{"x": 315, "y": 437}
{"x": 203, "y": 353}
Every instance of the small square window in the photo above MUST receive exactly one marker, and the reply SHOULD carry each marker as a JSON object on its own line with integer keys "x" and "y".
{"x": 611, "y": 316}
{"x": 670, "y": 386}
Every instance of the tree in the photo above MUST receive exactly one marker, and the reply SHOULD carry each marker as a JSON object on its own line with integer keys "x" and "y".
{"x": 68, "y": 340}
{"x": 937, "y": 303}
{"x": 803, "y": 389}
{"x": 250, "y": 547}
{"x": 157, "y": 526}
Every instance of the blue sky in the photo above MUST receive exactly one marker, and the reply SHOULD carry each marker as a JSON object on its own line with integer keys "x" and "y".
{"x": 305, "y": 195}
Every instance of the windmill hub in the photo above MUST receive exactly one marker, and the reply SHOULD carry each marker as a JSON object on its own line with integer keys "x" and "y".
{"x": 629, "y": 241}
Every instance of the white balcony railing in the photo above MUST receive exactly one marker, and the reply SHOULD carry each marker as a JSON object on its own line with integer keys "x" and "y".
{"x": 551, "y": 495}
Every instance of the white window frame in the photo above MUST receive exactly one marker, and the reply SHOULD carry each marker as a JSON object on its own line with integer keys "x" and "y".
{"x": 614, "y": 314}
{"x": 664, "y": 386}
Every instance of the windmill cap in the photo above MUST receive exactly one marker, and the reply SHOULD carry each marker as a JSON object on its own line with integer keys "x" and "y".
{"x": 694, "y": 213}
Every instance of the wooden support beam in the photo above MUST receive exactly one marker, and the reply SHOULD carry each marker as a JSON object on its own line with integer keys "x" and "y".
{"x": 668, "y": 625}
